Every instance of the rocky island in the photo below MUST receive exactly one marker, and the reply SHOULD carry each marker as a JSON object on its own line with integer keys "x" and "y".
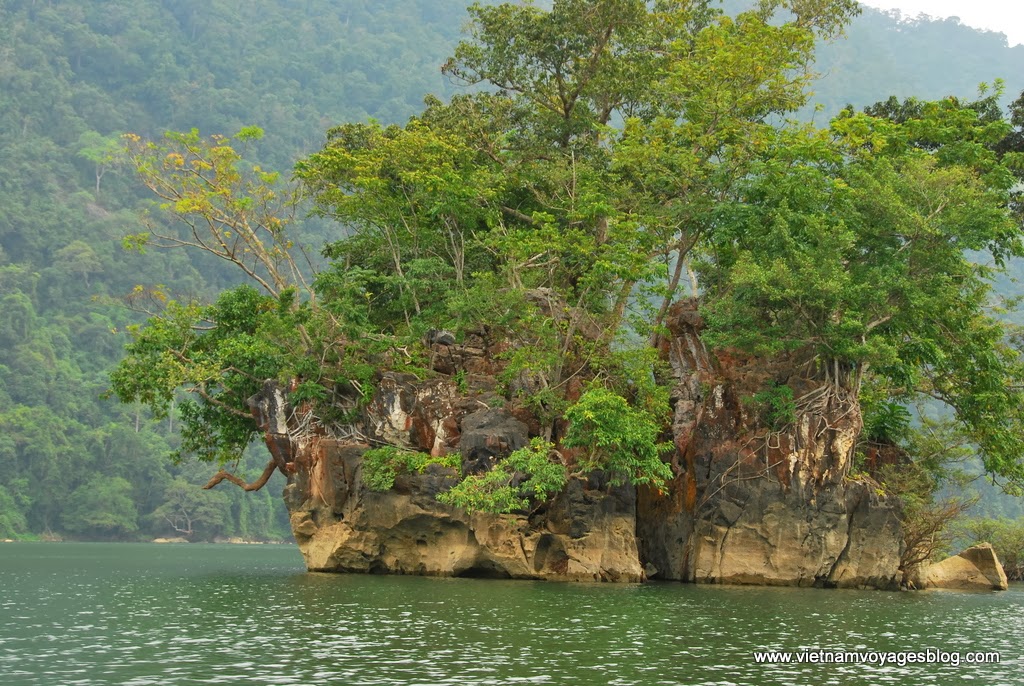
{"x": 606, "y": 318}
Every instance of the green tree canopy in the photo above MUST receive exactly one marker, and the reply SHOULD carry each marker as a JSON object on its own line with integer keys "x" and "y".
{"x": 873, "y": 245}
{"x": 612, "y": 145}
{"x": 530, "y": 206}
{"x": 101, "y": 507}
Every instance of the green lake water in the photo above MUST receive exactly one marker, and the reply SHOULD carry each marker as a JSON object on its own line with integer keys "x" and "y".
{"x": 145, "y": 614}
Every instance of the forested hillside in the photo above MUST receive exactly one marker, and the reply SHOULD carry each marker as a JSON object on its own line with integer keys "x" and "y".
{"x": 73, "y": 76}
{"x": 913, "y": 57}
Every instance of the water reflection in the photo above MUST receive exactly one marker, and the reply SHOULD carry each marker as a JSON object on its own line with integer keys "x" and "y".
{"x": 139, "y": 615}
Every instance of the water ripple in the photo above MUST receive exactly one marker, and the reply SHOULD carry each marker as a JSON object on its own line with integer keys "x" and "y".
{"x": 147, "y": 615}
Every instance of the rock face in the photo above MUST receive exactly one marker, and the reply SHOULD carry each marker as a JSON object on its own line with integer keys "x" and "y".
{"x": 976, "y": 568}
{"x": 755, "y": 506}
{"x": 487, "y": 436}
{"x": 752, "y": 503}
{"x": 585, "y": 534}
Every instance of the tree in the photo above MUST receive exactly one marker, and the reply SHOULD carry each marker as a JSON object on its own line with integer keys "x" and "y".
{"x": 853, "y": 248}
{"x": 101, "y": 507}
{"x": 94, "y": 69}
{"x": 17, "y": 318}
{"x": 514, "y": 207}
{"x": 228, "y": 209}
{"x": 191, "y": 512}
{"x": 937, "y": 451}
{"x": 101, "y": 150}
{"x": 558, "y": 208}
{"x": 12, "y": 518}
{"x": 1005, "y": 535}
{"x": 536, "y": 472}
{"x": 79, "y": 258}
{"x": 220, "y": 355}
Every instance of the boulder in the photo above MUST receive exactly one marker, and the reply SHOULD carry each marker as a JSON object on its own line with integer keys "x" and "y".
{"x": 487, "y": 435}
{"x": 976, "y": 568}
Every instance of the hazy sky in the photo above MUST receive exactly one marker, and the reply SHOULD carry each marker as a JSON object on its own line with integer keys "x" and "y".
{"x": 1005, "y": 16}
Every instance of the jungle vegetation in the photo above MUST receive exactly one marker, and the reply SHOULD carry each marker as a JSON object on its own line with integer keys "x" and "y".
{"x": 605, "y": 150}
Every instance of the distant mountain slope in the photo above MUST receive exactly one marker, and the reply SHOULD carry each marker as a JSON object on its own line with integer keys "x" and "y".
{"x": 884, "y": 55}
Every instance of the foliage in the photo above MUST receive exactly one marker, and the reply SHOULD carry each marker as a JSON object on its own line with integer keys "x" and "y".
{"x": 623, "y": 139}
{"x": 776, "y": 406}
{"x": 851, "y": 245}
{"x": 888, "y": 422}
{"x": 12, "y": 521}
{"x": 617, "y": 439}
{"x": 532, "y": 209}
{"x": 101, "y": 507}
{"x": 532, "y": 187}
{"x": 523, "y": 197}
{"x": 938, "y": 449}
{"x": 534, "y": 472}
{"x": 924, "y": 518}
{"x": 382, "y": 465}
{"x": 885, "y": 420}
{"x": 218, "y": 205}
{"x": 101, "y": 150}
{"x": 77, "y": 73}
{"x": 223, "y": 366}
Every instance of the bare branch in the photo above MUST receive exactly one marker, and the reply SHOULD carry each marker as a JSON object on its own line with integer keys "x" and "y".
{"x": 256, "y": 485}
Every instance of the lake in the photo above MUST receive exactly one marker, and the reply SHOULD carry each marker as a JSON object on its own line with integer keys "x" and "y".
{"x": 138, "y": 614}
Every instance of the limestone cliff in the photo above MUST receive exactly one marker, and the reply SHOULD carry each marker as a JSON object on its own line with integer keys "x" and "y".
{"x": 585, "y": 534}
{"x": 755, "y": 506}
{"x": 749, "y": 504}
